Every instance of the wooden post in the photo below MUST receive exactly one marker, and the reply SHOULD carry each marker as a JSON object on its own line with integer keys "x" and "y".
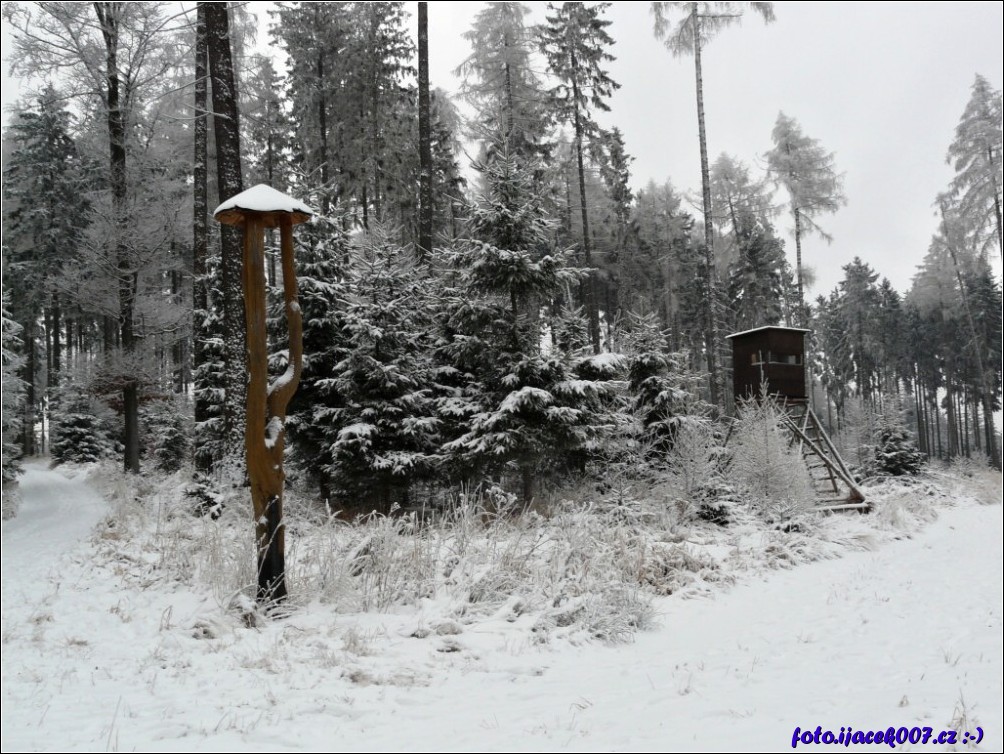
{"x": 265, "y": 430}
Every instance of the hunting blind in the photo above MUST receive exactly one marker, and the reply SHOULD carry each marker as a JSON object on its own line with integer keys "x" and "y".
{"x": 769, "y": 363}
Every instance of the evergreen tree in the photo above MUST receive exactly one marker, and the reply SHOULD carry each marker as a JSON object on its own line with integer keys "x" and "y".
{"x": 383, "y": 436}
{"x": 807, "y": 173}
{"x": 502, "y": 83}
{"x": 513, "y": 406}
{"x": 698, "y": 26}
{"x": 13, "y": 394}
{"x": 650, "y": 275}
{"x": 665, "y": 390}
{"x": 46, "y": 211}
{"x": 757, "y": 278}
{"x": 896, "y": 452}
{"x": 575, "y": 42}
{"x": 858, "y": 310}
{"x": 321, "y": 275}
{"x": 735, "y": 196}
{"x": 77, "y": 433}
{"x": 976, "y": 157}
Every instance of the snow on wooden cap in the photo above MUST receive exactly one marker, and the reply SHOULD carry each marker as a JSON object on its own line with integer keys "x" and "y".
{"x": 264, "y": 201}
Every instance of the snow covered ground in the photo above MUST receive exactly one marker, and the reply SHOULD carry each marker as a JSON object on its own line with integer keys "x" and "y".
{"x": 101, "y": 651}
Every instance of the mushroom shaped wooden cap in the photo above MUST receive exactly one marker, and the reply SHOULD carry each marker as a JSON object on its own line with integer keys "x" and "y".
{"x": 266, "y": 204}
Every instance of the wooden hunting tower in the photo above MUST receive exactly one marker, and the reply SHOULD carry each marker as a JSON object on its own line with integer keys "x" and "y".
{"x": 773, "y": 359}
{"x": 771, "y": 356}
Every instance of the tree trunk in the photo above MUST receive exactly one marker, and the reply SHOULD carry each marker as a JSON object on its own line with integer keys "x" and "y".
{"x": 200, "y": 226}
{"x": 590, "y": 283}
{"x": 798, "y": 266}
{"x": 424, "y": 137}
{"x": 108, "y": 17}
{"x": 976, "y": 423}
{"x": 30, "y": 370}
{"x": 322, "y": 122}
{"x": 997, "y": 198}
{"x": 228, "y": 170}
{"x": 937, "y": 423}
{"x": 709, "y": 235}
{"x": 57, "y": 355}
{"x": 919, "y": 411}
{"x": 951, "y": 421}
{"x": 986, "y": 381}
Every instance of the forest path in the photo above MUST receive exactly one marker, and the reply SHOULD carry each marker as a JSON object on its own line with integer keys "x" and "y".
{"x": 56, "y": 515}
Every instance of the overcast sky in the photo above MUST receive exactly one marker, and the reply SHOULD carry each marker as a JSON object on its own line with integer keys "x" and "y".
{"x": 882, "y": 85}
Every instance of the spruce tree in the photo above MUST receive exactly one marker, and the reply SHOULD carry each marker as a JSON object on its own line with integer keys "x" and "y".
{"x": 575, "y": 42}
{"x": 512, "y": 407}
{"x": 382, "y": 436}
{"x": 896, "y": 452}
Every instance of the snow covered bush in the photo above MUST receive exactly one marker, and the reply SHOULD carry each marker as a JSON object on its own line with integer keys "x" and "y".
{"x": 768, "y": 469}
{"x": 78, "y": 432}
{"x": 13, "y": 394}
{"x": 896, "y": 452}
{"x": 167, "y": 433}
{"x": 666, "y": 391}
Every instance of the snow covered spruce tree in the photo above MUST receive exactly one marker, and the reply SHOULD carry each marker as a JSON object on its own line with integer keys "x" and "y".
{"x": 379, "y": 436}
{"x": 77, "y": 434}
{"x": 322, "y": 251}
{"x": 666, "y": 392}
{"x": 575, "y": 41}
{"x": 514, "y": 409}
{"x": 896, "y": 451}
{"x": 976, "y": 156}
{"x": 13, "y": 398}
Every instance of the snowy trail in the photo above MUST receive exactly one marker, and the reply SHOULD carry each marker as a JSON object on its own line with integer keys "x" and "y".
{"x": 907, "y": 635}
{"x": 56, "y": 515}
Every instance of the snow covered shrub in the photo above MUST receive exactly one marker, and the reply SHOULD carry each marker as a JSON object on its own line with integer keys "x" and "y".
{"x": 78, "y": 433}
{"x": 13, "y": 395}
{"x": 666, "y": 391}
{"x": 856, "y": 437}
{"x": 768, "y": 469}
{"x": 167, "y": 434}
{"x": 693, "y": 467}
{"x": 896, "y": 452}
{"x": 975, "y": 478}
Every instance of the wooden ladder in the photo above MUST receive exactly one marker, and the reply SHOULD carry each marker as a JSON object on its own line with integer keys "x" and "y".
{"x": 831, "y": 480}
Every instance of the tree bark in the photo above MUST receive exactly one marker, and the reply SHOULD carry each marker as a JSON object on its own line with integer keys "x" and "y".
{"x": 30, "y": 370}
{"x": 322, "y": 122}
{"x": 230, "y": 180}
{"x": 200, "y": 224}
{"x": 424, "y": 137}
{"x": 590, "y": 284}
{"x": 108, "y": 17}
{"x": 709, "y": 235}
{"x": 997, "y": 199}
{"x": 802, "y": 319}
